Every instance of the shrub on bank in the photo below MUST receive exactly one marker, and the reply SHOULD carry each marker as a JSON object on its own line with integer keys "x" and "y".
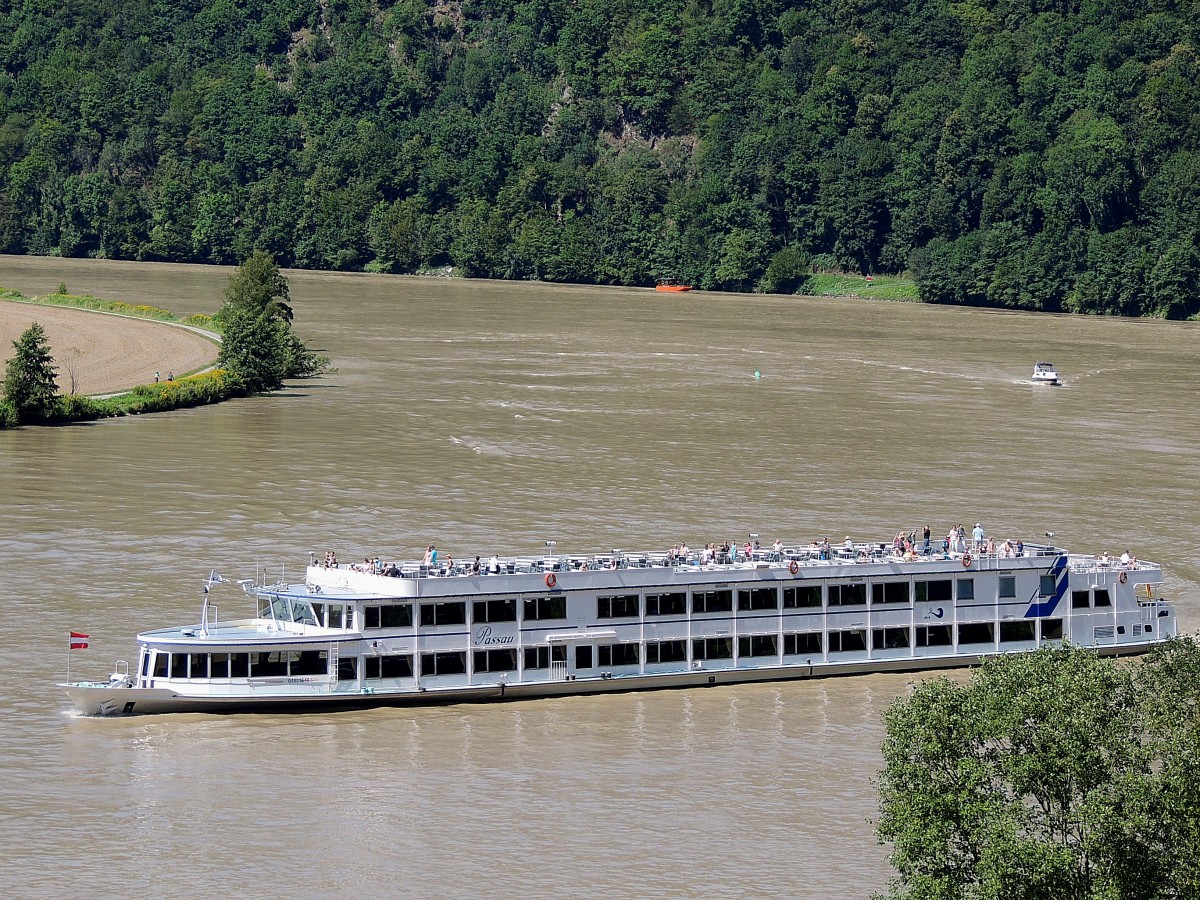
{"x": 180, "y": 393}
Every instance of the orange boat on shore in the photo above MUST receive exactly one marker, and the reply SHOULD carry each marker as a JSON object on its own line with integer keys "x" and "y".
{"x": 671, "y": 286}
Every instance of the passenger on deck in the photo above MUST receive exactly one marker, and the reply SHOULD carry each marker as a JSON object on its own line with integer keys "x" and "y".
{"x": 378, "y": 566}
{"x": 1126, "y": 560}
{"x": 849, "y": 543}
{"x": 494, "y": 565}
{"x": 449, "y": 564}
{"x": 925, "y": 534}
{"x": 991, "y": 547}
{"x": 977, "y": 537}
{"x": 427, "y": 559}
{"x": 476, "y": 566}
{"x": 1019, "y": 547}
{"x": 1105, "y": 559}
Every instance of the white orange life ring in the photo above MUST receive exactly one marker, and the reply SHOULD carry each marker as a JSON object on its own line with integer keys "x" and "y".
{"x": 793, "y": 567}
{"x": 551, "y": 579}
{"x": 966, "y": 560}
{"x": 1123, "y": 577}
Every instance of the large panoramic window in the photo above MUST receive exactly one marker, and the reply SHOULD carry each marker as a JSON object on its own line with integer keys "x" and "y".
{"x": 666, "y": 651}
{"x": 503, "y": 610}
{"x": 939, "y": 591}
{"x": 390, "y": 666}
{"x": 889, "y": 592}
{"x": 621, "y": 606}
{"x": 977, "y": 633}
{"x": 540, "y": 608}
{"x": 889, "y": 638}
{"x": 847, "y": 641}
{"x": 758, "y": 645}
{"x": 495, "y": 660}
{"x": 802, "y": 596}
{"x": 443, "y": 663}
{"x": 391, "y": 616}
{"x": 674, "y": 604}
{"x": 712, "y": 648}
{"x": 847, "y": 594}
{"x": 712, "y": 600}
{"x": 794, "y": 644}
{"x": 758, "y": 598}
{"x": 618, "y": 654}
{"x": 443, "y": 614}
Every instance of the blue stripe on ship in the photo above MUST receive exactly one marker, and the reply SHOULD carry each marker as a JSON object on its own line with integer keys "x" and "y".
{"x": 1061, "y": 580}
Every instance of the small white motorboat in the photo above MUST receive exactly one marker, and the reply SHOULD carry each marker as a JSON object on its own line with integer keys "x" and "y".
{"x": 1045, "y": 373}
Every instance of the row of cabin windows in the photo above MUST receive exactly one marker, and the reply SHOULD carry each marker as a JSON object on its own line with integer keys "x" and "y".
{"x": 718, "y": 600}
{"x": 292, "y": 663}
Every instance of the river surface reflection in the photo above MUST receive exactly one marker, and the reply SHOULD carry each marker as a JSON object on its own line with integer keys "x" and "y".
{"x": 488, "y": 417}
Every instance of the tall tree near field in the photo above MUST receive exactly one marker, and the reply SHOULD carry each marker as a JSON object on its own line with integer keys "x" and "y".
{"x": 29, "y": 386}
{"x": 258, "y": 345}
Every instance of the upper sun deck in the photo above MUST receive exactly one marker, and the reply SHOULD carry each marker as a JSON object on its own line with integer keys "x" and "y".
{"x": 618, "y": 568}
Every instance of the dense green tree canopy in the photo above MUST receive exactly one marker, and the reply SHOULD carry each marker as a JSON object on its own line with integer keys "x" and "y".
{"x": 1056, "y": 775}
{"x": 258, "y": 346}
{"x": 30, "y": 391}
{"x": 1018, "y": 153}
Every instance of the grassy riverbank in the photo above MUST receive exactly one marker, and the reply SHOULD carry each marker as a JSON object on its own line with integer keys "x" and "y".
{"x": 880, "y": 287}
{"x": 98, "y": 304}
{"x": 187, "y": 390}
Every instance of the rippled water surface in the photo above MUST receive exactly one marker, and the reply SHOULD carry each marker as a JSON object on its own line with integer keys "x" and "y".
{"x": 487, "y": 417}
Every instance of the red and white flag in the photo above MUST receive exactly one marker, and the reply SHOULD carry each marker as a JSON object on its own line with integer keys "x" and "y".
{"x": 79, "y": 641}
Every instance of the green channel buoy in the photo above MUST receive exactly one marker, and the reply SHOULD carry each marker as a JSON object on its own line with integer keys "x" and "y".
{"x": 757, "y": 374}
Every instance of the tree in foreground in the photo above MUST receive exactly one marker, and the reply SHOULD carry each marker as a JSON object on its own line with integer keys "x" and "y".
{"x": 1055, "y": 774}
{"x": 30, "y": 390}
{"x": 258, "y": 346}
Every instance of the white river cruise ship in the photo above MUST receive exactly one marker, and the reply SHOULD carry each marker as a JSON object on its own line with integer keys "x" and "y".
{"x": 549, "y": 625}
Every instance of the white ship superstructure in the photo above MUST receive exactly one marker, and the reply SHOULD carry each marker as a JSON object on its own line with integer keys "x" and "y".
{"x": 538, "y": 626}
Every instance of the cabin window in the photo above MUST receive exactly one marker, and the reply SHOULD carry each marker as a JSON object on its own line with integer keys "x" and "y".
{"x": 239, "y": 665}
{"x": 161, "y": 663}
{"x": 335, "y": 615}
{"x": 1101, "y": 597}
{"x": 847, "y": 594}
{"x": 889, "y": 592}
{"x": 847, "y": 641}
{"x": 933, "y": 636}
{"x": 504, "y": 610}
{"x": 391, "y": 616}
{"x": 1021, "y": 630}
{"x": 495, "y": 660}
{"x": 583, "y": 657}
{"x": 199, "y": 666}
{"x": 618, "y": 654}
{"x": 977, "y": 633}
{"x": 348, "y": 668}
{"x": 666, "y": 651}
{"x": 758, "y": 645}
{"x": 443, "y": 663}
{"x": 268, "y": 664}
{"x": 939, "y": 591}
{"x": 623, "y": 606}
{"x": 889, "y": 638}
{"x": 310, "y": 662}
{"x": 540, "y": 657}
{"x": 758, "y": 598}
{"x": 712, "y": 601}
{"x": 443, "y": 614}
{"x": 179, "y": 668}
{"x": 1008, "y": 587}
{"x": 219, "y": 665}
{"x": 712, "y": 648}
{"x": 393, "y": 665}
{"x": 666, "y": 604}
{"x": 966, "y": 589}
{"x": 1080, "y": 600}
{"x": 1052, "y": 629}
{"x": 1047, "y": 586}
{"x": 801, "y": 643}
{"x": 145, "y": 663}
{"x": 798, "y": 597}
{"x": 540, "y": 608}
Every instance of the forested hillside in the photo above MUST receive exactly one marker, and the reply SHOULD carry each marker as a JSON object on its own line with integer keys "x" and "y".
{"x": 1040, "y": 154}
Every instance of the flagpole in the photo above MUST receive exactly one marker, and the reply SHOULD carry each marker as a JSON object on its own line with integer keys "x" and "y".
{"x": 69, "y": 642}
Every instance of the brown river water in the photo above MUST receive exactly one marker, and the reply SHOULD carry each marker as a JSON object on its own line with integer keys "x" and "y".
{"x": 490, "y": 417}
